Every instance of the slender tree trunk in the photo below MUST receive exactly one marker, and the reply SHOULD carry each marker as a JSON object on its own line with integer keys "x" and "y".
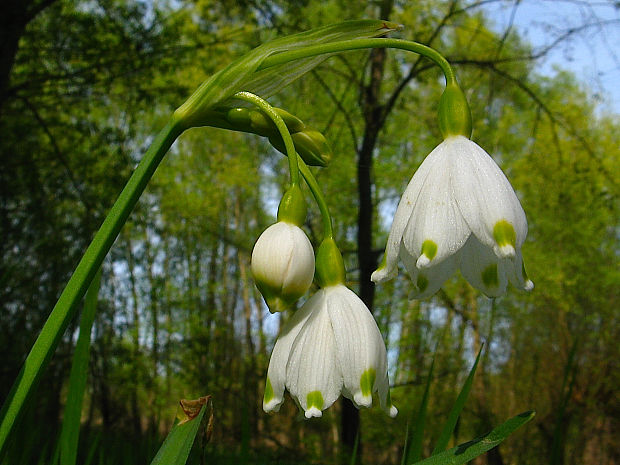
{"x": 367, "y": 258}
{"x": 14, "y": 17}
{"x": 135, "y": 409}
{"x": 154, "y": 303}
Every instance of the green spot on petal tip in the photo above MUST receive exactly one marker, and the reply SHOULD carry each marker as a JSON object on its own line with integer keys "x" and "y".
{"x": 489, "y": 276}
{"x": 422, "y": 283}
{"x": 367, "y": 381}
{"x": 268, "y": 392}
{"x": 504, "y": 234}
{"x": 429, "y": 248}
{"x": 314, "y": 399}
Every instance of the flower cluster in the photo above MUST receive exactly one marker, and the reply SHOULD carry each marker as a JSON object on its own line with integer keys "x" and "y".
{"x": 332, "y": 344}
{"x": 458, "y": 211}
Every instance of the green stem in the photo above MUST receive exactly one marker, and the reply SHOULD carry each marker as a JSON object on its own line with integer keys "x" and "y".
{"x": 356, "y": 44}
{"x": 318, "y": 196}
{"x": 282, "y": 128}
{"x": 65, "y": 308}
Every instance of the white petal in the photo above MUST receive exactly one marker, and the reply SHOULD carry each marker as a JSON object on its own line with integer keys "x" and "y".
{"x": 401, "y": 218}
{"x": 282, "y": 264}
{"x": 486, "y": 198}
{"x": 312, "y": 372}
{"x": 276, "y": 373}
{"x": 384, "y": 397}
{"x": 436, "y": 228}
{"x": 481, "y": 267}
{"x": 515, "y": 271}
{"x": 359, "y": 345}
{"x": 429, "y": 280}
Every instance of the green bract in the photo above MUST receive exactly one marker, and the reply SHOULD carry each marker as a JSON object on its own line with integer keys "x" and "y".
{"x": 242, "y": 74}
{"x": 311, "y": 145}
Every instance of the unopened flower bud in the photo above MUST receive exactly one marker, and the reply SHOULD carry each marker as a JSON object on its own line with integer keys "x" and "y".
{"x": 282, "y": 265}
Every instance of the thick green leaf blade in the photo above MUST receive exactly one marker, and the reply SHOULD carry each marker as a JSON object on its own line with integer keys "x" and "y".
{"x": 178, "y": 443}
{"x": 448, "y": 429}
{"x": 70, "y": 433}
{"x": 467, "y": 451}
{"x": 415, "y": 426}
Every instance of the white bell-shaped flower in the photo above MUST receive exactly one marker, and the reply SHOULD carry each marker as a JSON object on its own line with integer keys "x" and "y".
{"x": 332, "y": 345}
{"x": 459, "y": 210}
{"x": 282, "y": 264}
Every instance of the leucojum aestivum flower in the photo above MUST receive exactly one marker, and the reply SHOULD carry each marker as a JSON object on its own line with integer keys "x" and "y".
{"x": 459, "y": 211}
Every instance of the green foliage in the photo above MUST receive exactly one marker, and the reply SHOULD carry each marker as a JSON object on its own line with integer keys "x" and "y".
{"x": 70, "y": 432}
{"x": 178, "y": 313}
{"x": 178, "y": 444}
{"x": 467, "y": 451}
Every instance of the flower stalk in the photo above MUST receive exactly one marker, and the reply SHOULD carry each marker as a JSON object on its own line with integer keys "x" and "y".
{"x": 282, "y": 128}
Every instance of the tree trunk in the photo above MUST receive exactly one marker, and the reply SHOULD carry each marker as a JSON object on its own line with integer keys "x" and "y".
{"x": 14, "y": 17}
{"x": 367, "y": 258}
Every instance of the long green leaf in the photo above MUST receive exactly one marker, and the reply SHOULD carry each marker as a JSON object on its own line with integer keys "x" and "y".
{"x": 467, "y": 451}
{"x": 70, "y": 433}
{"x": 178, "y": 443}
{"x": 415, "y": 427}
{"x": 448, "y": 428}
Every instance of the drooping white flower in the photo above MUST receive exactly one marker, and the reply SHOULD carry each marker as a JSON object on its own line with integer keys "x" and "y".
{"x": 282, "y": 264}
{"x": 458, "y": 211}
{"x": 330, "y": 346}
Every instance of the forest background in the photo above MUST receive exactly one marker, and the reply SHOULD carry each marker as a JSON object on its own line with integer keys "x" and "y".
{"x": 84, "y": 86}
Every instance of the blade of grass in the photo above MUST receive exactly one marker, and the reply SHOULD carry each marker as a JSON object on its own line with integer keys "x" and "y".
{"x": 178, "y": 443}
{"x": 415, "y": 426}
{"x": 558, "y": 431}
{"x": 467, "y": 451}
{"x": 70, "y": 433}
{"x": 453, "y": 417}
{"x": 92, "y": 448}
{"x": 355, "y": 446}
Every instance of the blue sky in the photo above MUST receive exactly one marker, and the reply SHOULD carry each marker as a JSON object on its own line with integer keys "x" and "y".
{"x": 592, "y": 53}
